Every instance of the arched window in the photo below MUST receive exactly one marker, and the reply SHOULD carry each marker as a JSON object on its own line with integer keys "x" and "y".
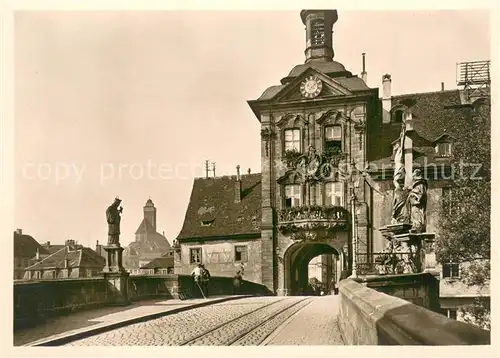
{"x": 318, "y": 32}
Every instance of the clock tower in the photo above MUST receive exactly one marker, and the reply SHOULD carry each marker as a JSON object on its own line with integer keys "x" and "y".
{"x": 319, "y": 34}
{"x": 314, "y": 127}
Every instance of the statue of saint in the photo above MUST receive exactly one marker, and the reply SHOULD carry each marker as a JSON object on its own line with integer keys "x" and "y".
{"x": 113, "y": 218}
{"x": 400, "y": 205}
{"x": 418, "y": 202}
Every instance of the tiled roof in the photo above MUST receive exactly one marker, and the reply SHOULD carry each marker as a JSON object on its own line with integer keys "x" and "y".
{"x": 212, "y": 210}
{"x": 154, "y": 242}
{"x": 26, "y": 246}
{"x": 431, "y": 119}
{"x": 80, "y": 257}
{"x": 144, "y": 227}
{"x": 161, "y": 262}
{"x": 53, "y": 248}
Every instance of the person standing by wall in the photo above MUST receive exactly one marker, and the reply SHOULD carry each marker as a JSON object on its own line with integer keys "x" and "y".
{"x": 237, "y": 281}
{"x": 205, "y": 278}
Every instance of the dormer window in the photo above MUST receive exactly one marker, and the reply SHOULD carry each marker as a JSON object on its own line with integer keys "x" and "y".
{"x": 397, "y": 117}
{"x": 318, "y": 32}
{"x": 443, "y": 149}
{"x": 333, "y": 139}
{"x": 292, "y": 139}
{"x": 207, "y": 222}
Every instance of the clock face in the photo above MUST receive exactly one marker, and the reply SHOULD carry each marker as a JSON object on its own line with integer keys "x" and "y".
{"x": 311, "y": 87}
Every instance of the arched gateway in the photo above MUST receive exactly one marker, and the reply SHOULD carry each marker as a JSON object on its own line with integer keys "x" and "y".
{"x": 296, "y": 263}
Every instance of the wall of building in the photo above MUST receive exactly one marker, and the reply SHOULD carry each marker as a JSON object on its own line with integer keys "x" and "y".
{"x": 219, "y": 258}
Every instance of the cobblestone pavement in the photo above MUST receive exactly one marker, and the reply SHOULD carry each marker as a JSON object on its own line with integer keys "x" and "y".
{"x": 316, "y": 324}
{"x": 84, "y": 320}
{"x": 247, "y": 321}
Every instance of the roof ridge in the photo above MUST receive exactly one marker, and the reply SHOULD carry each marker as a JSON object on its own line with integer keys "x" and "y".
{"x": 46, "y": 258}
{"x": 430, "y": 92}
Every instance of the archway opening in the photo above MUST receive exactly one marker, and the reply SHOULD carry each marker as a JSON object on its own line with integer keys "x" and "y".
{"x": 311, "y": 268}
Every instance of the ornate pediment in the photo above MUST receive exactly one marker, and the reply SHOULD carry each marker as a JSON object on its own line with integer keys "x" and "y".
{"x": 311, "y": 85}
{"x": 291, "y": 120}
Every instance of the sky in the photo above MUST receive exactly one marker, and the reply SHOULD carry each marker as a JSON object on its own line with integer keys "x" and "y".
{"x": 131, "y": 104}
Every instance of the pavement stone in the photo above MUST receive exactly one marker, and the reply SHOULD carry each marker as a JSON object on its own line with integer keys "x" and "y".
{"x": 176, "y": 329}
{"x": 315, "y": 324}
{"x": 88, "y": 320}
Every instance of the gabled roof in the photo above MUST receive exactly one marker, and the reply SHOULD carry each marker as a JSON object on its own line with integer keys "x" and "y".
{"x": 333, "y": 75}
{"x": 80, "y": 257}
{"x": 53, "y": 248}
{"x": 144, "y": 227}
{"x": 26, "y": 246}
{"x": 213, "y": 199}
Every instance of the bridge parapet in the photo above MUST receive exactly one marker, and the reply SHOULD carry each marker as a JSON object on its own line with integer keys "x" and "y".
{"x": 368, "y": 317}
{"x": 35, "y": 301}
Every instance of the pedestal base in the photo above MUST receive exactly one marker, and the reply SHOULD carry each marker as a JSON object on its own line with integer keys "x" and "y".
{"x": 114, "y": 259}
{"x": 423, "y": 241}
{"x": 118, "y": 284}
{"x": 116, "y": 275}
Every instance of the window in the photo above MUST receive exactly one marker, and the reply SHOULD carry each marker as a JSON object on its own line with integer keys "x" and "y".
{"x": 195, "y": 256}
{"x": 443, "y": 149}
{"x": 89, "y": 273}
{"x": 293, "y": 195}
{"x": 38, "y": 275}
{"x": 317, "y": 32}
{"x": 334, "y": 194}
{"x": 240, "y": 254}
{"x": 450, "y": 270}
{"x": 292, "y": 139}
{"x": 333, "y": 138}
{"x": 452, "y": 314}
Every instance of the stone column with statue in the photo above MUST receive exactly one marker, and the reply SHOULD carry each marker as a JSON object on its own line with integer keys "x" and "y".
{"x": 408, "y": 217}
{"x": 114, "y": 271}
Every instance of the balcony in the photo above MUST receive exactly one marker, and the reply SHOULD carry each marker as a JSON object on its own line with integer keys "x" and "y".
{"x": 309, "y": 222}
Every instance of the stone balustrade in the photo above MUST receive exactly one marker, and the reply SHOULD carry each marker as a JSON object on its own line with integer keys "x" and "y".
{"x": 368, "y": 317}
{"x": 35, "y": 301}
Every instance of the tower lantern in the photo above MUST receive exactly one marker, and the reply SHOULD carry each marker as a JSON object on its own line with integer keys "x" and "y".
{"x": 319, "y": 34}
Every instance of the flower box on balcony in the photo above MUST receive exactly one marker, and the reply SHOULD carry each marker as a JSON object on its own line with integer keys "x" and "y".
{"x": 305, "y": 218}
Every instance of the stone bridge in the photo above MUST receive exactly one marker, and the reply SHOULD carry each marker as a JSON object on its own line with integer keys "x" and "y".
{"x": 365, "y": 312}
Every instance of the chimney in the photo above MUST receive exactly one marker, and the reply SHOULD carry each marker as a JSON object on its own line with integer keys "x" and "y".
{"x": 386, "y": 98}
{"x": 249, "y": 171}
{"x": 364, "y": 75}
{"x": 47, "y": 244}
{"x": 19, "y": 231}
{"x": 442, "y": 86}
{"x": 98, "y": 248}
{"x": 237, "y": 187}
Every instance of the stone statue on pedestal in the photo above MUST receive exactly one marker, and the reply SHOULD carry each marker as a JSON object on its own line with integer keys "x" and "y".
{"x": 400, "y": 204}
{"x": 113, "y": 218}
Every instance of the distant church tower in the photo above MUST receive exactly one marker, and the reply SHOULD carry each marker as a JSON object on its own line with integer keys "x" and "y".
{"x": 150, "y": 213}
